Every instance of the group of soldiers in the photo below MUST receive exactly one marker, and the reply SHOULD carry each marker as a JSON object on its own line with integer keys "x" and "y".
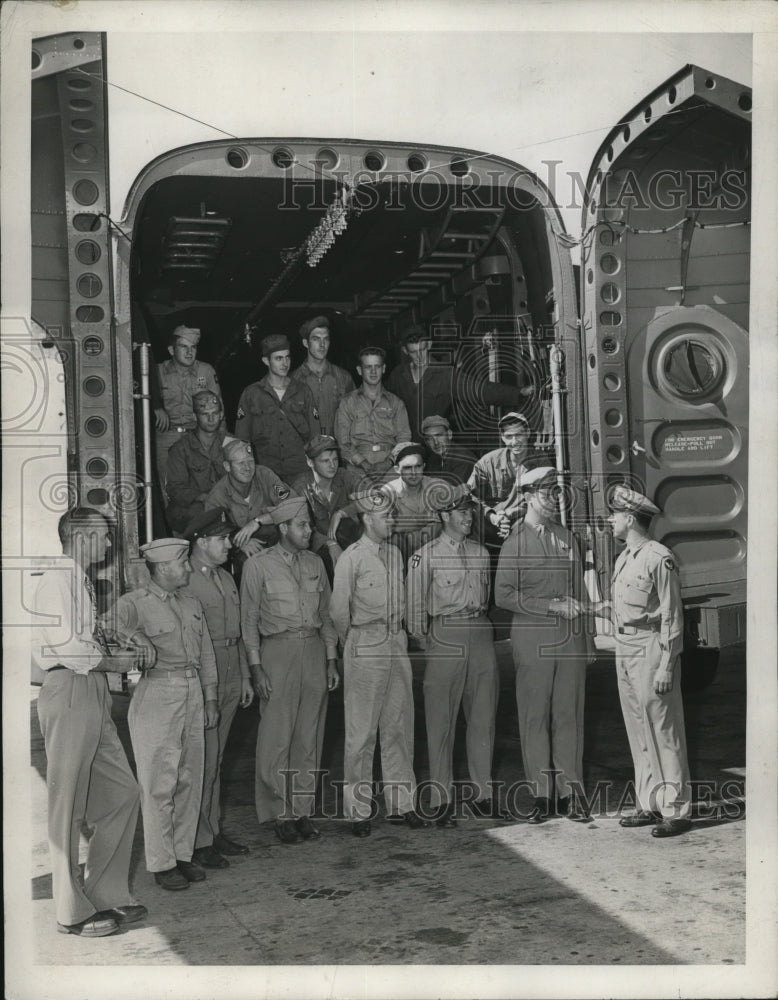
{"x": 324, "y": 522}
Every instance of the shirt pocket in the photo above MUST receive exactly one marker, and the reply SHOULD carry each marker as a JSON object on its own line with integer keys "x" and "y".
{"x": 159, "y": 624}
{"x": 636, "y": 593}
{"x": 372, "y": 589}
{"x": 280, "y": 594}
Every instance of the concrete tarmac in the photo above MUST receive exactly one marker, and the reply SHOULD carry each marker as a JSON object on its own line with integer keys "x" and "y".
{"x": 485, "y": 893}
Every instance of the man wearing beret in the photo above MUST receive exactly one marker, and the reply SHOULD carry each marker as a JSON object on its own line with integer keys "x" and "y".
{"x": 428, "y": 388}
{"x": 448, "y": 594}
{"x": 180, "y": 378}
{"x": 367, "y": 609}
{"x": 209, "y": 534}
{"x": 648, "y": 614}
{"x": 415, "y": 498}
{"x": 195, "y": 462}
{"x": 540, "y": 579}
{"x": 328, "y": 383}
{"x": 278, "y": 415}
{"x": 174, "y": 702}
{"x": 445, "y": 460}
{"x": 249, "y": 492}
{"x": 292, "y": 654}
{"x": 371, "y": 420}
{"x": 496, "y": 476}
{"x": 326, "y": 487}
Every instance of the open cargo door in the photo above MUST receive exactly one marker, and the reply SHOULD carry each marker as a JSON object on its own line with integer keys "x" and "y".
{"x": 665, "y": 289}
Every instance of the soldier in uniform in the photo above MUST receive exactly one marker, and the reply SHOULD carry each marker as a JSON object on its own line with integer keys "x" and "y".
{"x": 276, "y": 414}
{"x": 448, "y": 594}
{"x": 496, "y": 476}
{"x": 215, "y": 589}
{"x": 88, "y": 778}
{"x": 370, "y": 421}
{"x": 328, "y": 383}
{"x": 195, "y": 461}
{"x": 648, "y": 613}
{"x": 172, "y": 705}
{"x": 292, "y": 654}
{"x": 249, "y": 492}
{"x": 180, "y": 378}
{"x": 540, "y": 579}
{"x": 444, "y": 460}
{"x": 367, "y": 609}
{"x": 414, "y": 497}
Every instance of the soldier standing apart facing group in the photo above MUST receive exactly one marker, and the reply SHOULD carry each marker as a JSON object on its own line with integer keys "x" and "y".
{"x": 448, "y": 595}
{"x": 180, "y": 379}
{"x": 648, "y": 613}
{"x": 173, "y": 704}
{"x": 292, "y": 654}
{"x": 540, "y": 579}
{"x": 88, "y": 778}
{"x": 215, "y": 589}
{"x": 367, "y": 609}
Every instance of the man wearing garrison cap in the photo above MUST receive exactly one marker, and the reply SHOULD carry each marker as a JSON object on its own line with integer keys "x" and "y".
{"x": 496, "y": 476}
{"x": 292, "y": 654}
{"x": 648, "y": 614}
{"x": 328, "y": 383}
{"x": 448, "y": 595}
{"x": 414, "y": 496}
{"x": 180, "y": 378}
{"x": 173, "y": 704}
{"x": 195, "y": 461}
{"x": 540, "y": 579}
{"x": 444, "y": 458}
{"x": 278, "y": 415}
{"x": 215, "y": 589}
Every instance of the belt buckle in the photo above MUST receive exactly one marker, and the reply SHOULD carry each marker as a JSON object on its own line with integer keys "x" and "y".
{"x": 376, "y": 447}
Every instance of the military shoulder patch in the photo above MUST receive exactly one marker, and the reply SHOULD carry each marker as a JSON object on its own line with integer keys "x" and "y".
{"x": 281, "y": 491}
{"x": 668, "y": 564}
{"x": 241, "y": 414}
{"x": 415, "y": 560}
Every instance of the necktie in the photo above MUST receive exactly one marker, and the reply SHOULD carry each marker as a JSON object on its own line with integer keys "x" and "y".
{"x": 217, "y": 582}
{"x": 294, "y": 566}
{"x": 98, "y": 633}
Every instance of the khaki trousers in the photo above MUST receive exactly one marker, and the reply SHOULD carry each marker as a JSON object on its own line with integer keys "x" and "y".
{"x": 655, "y": 728}
{"x": 550, "y": 663}
{"x": 228, "y": 667}
{"x": 88, "y": 781}
{"x": 461, "y": 669}
{"x": 167, "y": 729}
{"x": 378, "y": 699}
{"x": 291, "y": 726}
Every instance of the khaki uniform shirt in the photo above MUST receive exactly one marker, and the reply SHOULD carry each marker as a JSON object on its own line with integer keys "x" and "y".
{"x": 447, "y": 578}
{"x": 413, "y": 509}
{"x": 494, "y": 478}
{"x": 221, "y": 604}
{"x": 180, "y": 637}
{"x": 179, "y": 384}
{"x": 369, "y": 588}
{"x": 266, "y": 491}
{"x": 327, "y": 390}
{"x": 367, "y": 430}
{"x": 323, "y": 506}
{"x": 537, "y": 566}
{"x": 646, "y": 591}
{"x": 284, "y": 592}
{"x": 191, "y": 469}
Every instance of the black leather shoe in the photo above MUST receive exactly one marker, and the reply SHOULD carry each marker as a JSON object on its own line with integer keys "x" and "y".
{"x": 207, "y": 857}
{"x": 191, "y": 871}
{"x": 306, "y": 828}
{"x": 488, "y": 809}
{"x": 577, "y": 812}
{"x": 540, "y": 812}
{"x": 562, "y": 806}
{"x": 444, "y": 816}
{"x": 172, "y": 879}
{"x": 641, "y": 818}
{"x": 286, "y": 831}
{"x": 224, "y": 845}
{"x": 127, "y": 914}
{"x": 362, "y": 828}
{"x": 98, "y": 925}
{"x": 671, "y": 827}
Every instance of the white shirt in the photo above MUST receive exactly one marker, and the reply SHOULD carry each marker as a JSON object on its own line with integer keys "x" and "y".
{"x": 65, "y": 628}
